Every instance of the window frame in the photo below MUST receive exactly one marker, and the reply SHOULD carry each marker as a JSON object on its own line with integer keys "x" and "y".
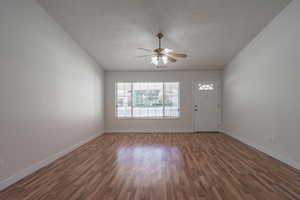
{"x": 145, "y": 118}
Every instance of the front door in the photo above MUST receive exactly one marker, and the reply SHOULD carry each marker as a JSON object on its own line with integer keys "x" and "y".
{"x": 207, "y": 111}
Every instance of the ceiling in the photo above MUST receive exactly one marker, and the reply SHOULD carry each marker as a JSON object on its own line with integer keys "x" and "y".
{"x": 211, "y": 32}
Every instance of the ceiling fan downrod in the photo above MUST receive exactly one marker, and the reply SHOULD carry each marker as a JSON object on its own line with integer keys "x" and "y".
{"x": 160, "y": 36}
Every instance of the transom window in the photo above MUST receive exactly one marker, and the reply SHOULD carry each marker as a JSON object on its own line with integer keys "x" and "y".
{"x": 147, "y": 99}
{"x": 205, "y": 86}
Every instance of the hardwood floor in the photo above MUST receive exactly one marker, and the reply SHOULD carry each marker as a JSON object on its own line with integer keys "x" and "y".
{"x": 158, "y": 167}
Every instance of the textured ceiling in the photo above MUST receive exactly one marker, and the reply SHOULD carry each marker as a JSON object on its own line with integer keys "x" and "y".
{"x": 211, "y": 32}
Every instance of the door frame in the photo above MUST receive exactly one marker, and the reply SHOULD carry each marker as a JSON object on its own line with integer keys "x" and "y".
{"x": 218, "y": 83}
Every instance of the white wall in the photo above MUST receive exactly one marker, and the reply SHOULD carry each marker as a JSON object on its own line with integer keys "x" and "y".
{"x": 261, "y": 95}
{"x": 51, "y": 92}
{"x": 184, "y": 123}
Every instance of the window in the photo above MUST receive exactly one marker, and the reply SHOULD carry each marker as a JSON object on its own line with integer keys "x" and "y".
{"x": 124, "y": 100}
{"x": 147, "y": 99}
{"x": 205, "y": 86}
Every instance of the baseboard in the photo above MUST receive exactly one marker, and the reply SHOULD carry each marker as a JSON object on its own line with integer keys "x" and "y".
{"x": 22, "y": 174}
{"x": 148, "y": 131}
{"x": 260, "y": 148}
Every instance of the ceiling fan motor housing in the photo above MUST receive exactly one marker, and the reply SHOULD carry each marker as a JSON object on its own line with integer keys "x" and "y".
{"x": 160, "y": 35}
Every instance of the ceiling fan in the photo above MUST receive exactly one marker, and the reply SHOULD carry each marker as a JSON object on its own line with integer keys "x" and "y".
{"x": 162, "y": 56}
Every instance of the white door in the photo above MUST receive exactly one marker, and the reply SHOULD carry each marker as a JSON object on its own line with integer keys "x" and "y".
{"x": 207, "y": 111}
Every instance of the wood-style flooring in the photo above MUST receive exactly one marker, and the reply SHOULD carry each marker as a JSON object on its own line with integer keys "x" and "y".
{"x": 163, "y": 166}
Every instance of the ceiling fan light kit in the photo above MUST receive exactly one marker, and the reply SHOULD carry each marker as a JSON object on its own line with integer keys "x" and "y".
{"x": 161, "y": 56}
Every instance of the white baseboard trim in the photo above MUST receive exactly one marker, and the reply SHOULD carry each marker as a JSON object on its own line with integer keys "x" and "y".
{"x": 148, "y": 131}
{"x": 260, "y": 148}
{"x": 22, "y": 174}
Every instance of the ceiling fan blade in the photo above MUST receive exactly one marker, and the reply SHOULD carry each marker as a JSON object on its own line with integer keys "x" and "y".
{"x": 145, "y": 49}
{"x": 146, "y": 55}
{"x": 180, "y": 55}
{"x": 171, "y": 59}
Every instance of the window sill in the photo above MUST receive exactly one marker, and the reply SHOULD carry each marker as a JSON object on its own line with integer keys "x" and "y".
{"x": 147, "y": 118}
